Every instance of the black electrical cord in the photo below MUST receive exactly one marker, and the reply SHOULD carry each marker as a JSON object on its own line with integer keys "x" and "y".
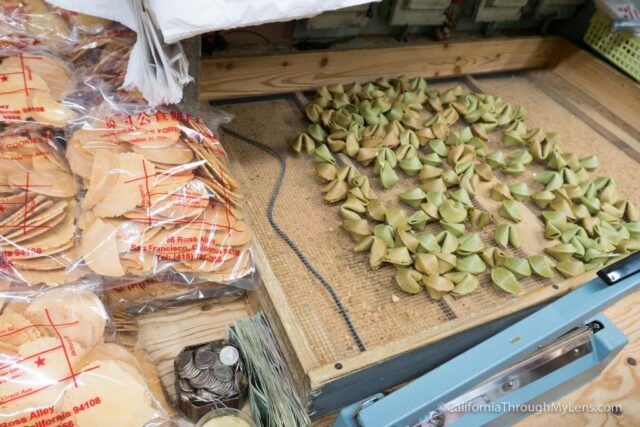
{"x": 270, "y": 208}
{"x": 255, "y": 33}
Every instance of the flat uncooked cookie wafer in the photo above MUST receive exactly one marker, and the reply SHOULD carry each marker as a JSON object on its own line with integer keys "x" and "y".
{"x": 221, "y": 194}
{"x": 80, "y": 311}
{"x": 79, "y": 160}
{"x": 186, "y": 201}
{"x": 91, "y": 140}
{"x": 28, "y": 376}
{"x": 18, "y": 236}
{"x": 167, "y": 181}
{"x": 85, "y": 219}
{"x": 100, "y": 249}
{"x": 47, "y": 181}
{"x": 230, "y": 272}
{"x": 60, "y": 260}
{"x": 112, "y": 351}
{"x": 51, "y": 277}
{"x": 39, "y": 220}
{"x": 230, "y": 231}
{"x": 22, "y": 328}
{"x": 152, "y": 133}
{"x": 102, "y": 179}
{"x": 8, "y": 350}
{"x": 15, "y": 82}
{"x": 28, "y": 253}
{"x": 138, "y": 263}
{"x": 36, "y": 102}
{"x": 212, "y": 166}
{"x": 13, "y": 203}
{"x": 33, "y": 207}
{"x": 223, "y": 262}
{"x": 173, "y": 155}
{"x": 117, "y": 388}
{"x": 129, "y": 234}
{"x": 133, "y": 173}
{"x": 52, "y": 70}
{"x": 56, "y": 158}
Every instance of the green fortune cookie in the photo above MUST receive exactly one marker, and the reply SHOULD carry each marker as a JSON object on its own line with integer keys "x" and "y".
{"x": 447, "y": 241}
{"x": 427, "y": 263}
{"x": 518, "y": 266}
{"x": 408, "y": 280}
{"x": 398, "y": 256}
{"x": 493, "y": 256}
{"x": 377, "y": 252}
{"x": 464, "y": 283}
{"x": 452, "y": 211}
{"x": 446, "y": 262}
{"x": 505, "y": 280}
{"x": 303, "y": 142}
{"x": 386, "y": 233}
{"x": 413, "y": 197}
{"x": 570, "y": 267}
{"x": 438, "y": 283}
{"x": 507, "y": 234}
{"x": 427, "y": 242}
{"x": 509, "y": 210}
{"x": 470, "y": 244}
{"x": 542, "y": 266}
{"x": 376, "y": 210}
{"x": 471, "y": 264}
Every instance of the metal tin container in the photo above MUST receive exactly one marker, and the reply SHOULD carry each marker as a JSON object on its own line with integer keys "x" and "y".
{"x": 202, "y": 377}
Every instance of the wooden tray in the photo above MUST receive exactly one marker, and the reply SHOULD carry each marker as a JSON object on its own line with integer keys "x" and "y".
{"x": 588, "y": 103}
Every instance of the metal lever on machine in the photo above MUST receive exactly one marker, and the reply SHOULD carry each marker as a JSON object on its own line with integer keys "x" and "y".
{"x": 567, "y": 342}
{"x": 621, "y": 269}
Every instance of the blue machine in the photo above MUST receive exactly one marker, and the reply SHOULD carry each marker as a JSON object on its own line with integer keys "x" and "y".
{"x": 517, "y": 371}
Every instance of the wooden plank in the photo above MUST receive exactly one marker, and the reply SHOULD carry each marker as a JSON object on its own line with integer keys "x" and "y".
{"x": 258, "y": 75}
{"x": 614, "y": 90}
{"x": 272, "y": 302}
{"x": 587, "y": 109}
{"x": 163, "y": 334}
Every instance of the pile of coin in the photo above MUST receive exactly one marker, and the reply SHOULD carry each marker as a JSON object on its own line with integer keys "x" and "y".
{"x": 210, "y": 373}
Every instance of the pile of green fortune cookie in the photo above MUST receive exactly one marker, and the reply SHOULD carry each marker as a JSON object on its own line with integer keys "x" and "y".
{"x": 402, "y": 126}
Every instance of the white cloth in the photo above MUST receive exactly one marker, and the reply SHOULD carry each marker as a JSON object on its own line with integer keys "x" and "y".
{"x": 179, "y": 20}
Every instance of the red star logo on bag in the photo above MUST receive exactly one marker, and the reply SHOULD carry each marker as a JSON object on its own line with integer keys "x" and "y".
{"x": 39, "y": 362}
{"x": 4, "y": 78}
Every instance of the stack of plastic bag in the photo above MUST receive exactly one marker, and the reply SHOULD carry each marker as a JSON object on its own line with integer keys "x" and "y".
{"x": 38, "y": 192}
{"x": 93, "y": 181}
{"x": 160, "y": 199}
{"x": 98, "y": 191}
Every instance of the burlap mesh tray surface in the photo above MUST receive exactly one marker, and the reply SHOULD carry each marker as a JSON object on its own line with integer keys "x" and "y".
{"x": 385, "y": 327}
